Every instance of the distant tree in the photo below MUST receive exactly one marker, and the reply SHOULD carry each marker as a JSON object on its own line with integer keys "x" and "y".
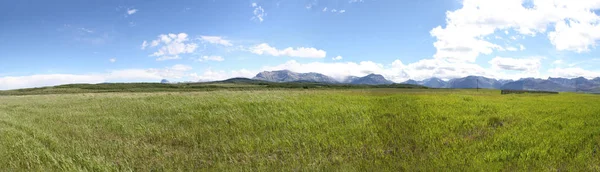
{"x": 164, "y": 81}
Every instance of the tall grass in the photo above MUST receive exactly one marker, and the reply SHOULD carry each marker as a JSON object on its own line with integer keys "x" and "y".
{"x": 345, "y": 130}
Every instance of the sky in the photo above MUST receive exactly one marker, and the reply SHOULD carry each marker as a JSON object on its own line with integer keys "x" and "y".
{"x": 45, "y": 43}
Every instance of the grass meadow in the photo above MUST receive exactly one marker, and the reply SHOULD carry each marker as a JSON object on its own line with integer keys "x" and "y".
{"x": 301, "y": 130}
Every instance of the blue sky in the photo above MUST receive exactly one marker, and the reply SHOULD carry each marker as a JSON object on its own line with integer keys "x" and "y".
{"x": 72, "y": 41}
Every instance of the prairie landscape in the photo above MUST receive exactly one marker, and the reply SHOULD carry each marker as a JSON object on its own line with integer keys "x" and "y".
{"x": 285, "y": 129}
{"x": 300, "y": 85}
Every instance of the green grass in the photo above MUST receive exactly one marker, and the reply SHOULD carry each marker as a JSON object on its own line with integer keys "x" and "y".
{"x": 301, "y": 129}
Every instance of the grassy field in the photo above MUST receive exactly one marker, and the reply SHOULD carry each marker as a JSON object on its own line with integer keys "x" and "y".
{"x": 234, "y": 84}
{"x": 301, "y": 129}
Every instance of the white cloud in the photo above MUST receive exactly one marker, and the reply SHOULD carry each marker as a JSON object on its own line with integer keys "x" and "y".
{"x": 127, "y": 75}
{"x": 337, "y": 58}
{"x": 511, "y": 49}
{"x": 210, "y": 58}
{"x": 334, "y": 10}
{"x": 172, "y": 46}
{"x": 216, "y": 40}
{"x": 165, "y": 58}
{"x": 463, "y": 37}
{"x": 259, "y": 12}
{"x": 112, "y": 60}
{"x": 14, "y": 82}
{"x": 573, "y": 72}
{"x": 459, "y": 44}
{"x": 155, "y": 43}
{"x": 292, "y": 52}
{"x": 145, "y": 44}
{"x": 531, "y": 65}
{"x": 575, "y": 36}
{"x": 131, "y": 11}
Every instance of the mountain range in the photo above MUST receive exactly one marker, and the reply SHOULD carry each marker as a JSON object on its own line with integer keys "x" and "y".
{"x": 289, "y": 76}
{"x": 551, "y": 84}
{"x": 580, "y": 84}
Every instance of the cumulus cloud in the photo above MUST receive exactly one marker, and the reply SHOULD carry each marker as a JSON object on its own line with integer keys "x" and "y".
{"x": 112, "y": 60}
{"x": 127, "y": 75}
{"x": 463, "y": 37}
{"x": 575, "y": 36}
{"x": 172, "y": 46}
{"x": 337, "y": 58}
{"x": 264, "y": 48}
{"x": 216, "y": 40}
{"x": 210, "y": 58}
{"x": 504, "y": 63}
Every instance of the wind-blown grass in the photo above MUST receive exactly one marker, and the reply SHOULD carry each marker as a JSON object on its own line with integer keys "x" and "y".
{"x": 347, "y": 130}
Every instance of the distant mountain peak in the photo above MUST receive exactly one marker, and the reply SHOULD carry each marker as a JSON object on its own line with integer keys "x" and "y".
{"x": 411, "y": 82}
{"x": 371, "y": 79}
{"x": 375, "y": 76}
